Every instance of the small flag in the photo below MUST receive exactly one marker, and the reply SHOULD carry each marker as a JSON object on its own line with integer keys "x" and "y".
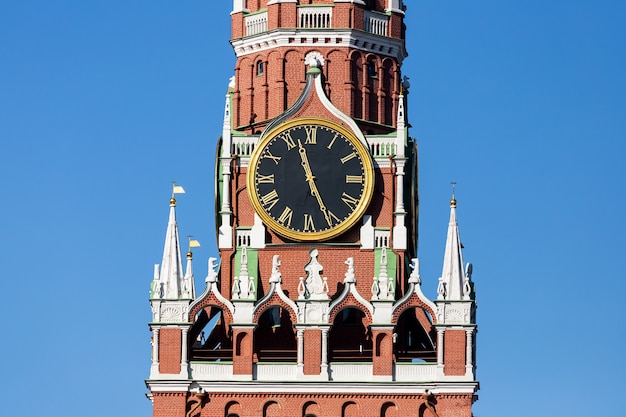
{"x": 178, "y": 190}
{"x": 193, "y": 243}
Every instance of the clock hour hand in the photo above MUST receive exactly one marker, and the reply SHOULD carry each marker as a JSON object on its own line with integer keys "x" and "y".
{"x": 310, "y": 179}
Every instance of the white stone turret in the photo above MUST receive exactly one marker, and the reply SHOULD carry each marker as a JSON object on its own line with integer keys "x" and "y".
{"x": 453, "y": 284}
{"x": 171, "y": 275}
{"x": 189, "y": 288}
{"x": 456, "y": 309}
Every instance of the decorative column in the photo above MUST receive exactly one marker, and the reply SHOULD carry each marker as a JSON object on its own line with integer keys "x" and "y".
{"x": 155, "y": 347}
{"x": 440, "y": 332}
{"x": 183, "y": 355}
{"x": 324, "y": 350}
{"x": 300, "y": 337}
{"x": 469, "y": 343}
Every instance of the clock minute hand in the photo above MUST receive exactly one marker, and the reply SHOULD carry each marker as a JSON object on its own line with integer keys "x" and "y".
{"x": 310, "y": 179}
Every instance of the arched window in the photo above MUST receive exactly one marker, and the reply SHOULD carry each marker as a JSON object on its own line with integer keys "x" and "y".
{"x": 371, "y": 70}
{"x": 260, "y": 68}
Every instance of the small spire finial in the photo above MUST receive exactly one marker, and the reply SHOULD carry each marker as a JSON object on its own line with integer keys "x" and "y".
{"x": 453, "y": 200}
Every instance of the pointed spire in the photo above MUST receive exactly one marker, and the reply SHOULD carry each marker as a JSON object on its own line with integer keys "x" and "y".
{"x": 189, "y": 290}
{"x": 172, "y": 267}
{"x": 453, "y": 279}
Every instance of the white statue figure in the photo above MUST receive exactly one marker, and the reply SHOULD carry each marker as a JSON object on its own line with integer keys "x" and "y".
{"x": 349, "y": 276}
{"x": 414, "y": 278}
{"x": 212, "y": 275}
{"x": 275, "y": 277}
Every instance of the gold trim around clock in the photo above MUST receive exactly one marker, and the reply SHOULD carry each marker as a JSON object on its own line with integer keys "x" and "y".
{"x": 351, "y": 219}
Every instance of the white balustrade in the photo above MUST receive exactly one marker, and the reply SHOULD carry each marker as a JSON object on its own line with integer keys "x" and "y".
{"x": 416, "y": 372}
{"x": 339, "y": 372}
{"x": 381, "y": 238}
{"x": 243, "y": 145}
{"x": 256, "y": 23}
{"x": 383, "y": 146}
{"x": 376, "y": 23}
{"x": 242, "y": 237}
{"x": 315, "y": 17}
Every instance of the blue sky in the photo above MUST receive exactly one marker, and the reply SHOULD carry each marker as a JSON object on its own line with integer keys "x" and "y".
{"x": 104, "y": 103}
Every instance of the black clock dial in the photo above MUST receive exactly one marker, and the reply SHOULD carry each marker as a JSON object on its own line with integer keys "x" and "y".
{"x": 310, "y": 180}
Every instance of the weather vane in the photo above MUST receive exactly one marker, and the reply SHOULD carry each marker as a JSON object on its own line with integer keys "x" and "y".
{"x": 193, "y": 243}
{"x": 177, "y": 189}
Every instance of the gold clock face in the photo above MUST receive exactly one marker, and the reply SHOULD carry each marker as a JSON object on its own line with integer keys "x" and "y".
{"x": 310, "y": 179}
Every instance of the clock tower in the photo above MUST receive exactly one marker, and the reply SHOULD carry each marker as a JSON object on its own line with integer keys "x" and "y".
{"x": 315, "y": 306}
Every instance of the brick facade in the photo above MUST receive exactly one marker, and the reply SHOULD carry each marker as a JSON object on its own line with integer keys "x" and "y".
{"x": 280, "y": 353}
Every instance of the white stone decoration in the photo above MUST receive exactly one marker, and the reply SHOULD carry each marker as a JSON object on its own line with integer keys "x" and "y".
{"x": 243, "y": 284}
{"x": 275, "y": 288}
{"x": 276, "y": 275}
{"x": 382, "y": 285}
{"x": 156, "y": 287}
{"x": 314, "y": 60}
{"x": 313, "y": 287}
{"x": 415, "y": 278}
{"x": 350, "y": 288}
{"x": 367, "y": 233}
{"x": 257, "y": 233}
{"x": 349, "y": 275}
{"x": 454, "y": 313}
{"x": 441, "y": 289}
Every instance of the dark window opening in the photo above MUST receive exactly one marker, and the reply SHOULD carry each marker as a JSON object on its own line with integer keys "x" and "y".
{"x": 413, "y": 343}
{"x": 274, "y": 337}
{"x": 349, "y": 340}
{"x": 209, "y": 337}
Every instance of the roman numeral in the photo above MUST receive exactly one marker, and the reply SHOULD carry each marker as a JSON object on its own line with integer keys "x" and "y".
{"x": 354, "y": 179}
{"x": 311, "y": 135}
{"x": 333, "y": 217}
{"x": 265, "y": 179}
{"x": 285, "y": 217}
{"x": 330, "y": 145}
{"x": 349, "y": 200}
{"x": 270, "y": 199}
{"x": 348, "y": 157}
{"x": 308, "y": 223}
{"x": 268, "y": 155}
{"x": 288, "y": 140}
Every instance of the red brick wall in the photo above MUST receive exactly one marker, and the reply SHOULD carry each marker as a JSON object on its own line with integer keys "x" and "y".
{"x": 454, "y": 352}
{"x": 370, "y": 97}
{"x": 282, "y": 404}
{"x": 169, "y": 350}
{"x": 242, "y": 352}
{"x": 169, "y": 404}
{"x": 312, "y": 351}
{"x": 382, "y": 356}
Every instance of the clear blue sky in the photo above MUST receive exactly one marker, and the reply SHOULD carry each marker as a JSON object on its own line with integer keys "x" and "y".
{"x": 104, "y": 103}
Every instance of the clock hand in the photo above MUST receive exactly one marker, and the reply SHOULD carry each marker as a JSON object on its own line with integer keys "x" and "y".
{"x": 310, "y": 179}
